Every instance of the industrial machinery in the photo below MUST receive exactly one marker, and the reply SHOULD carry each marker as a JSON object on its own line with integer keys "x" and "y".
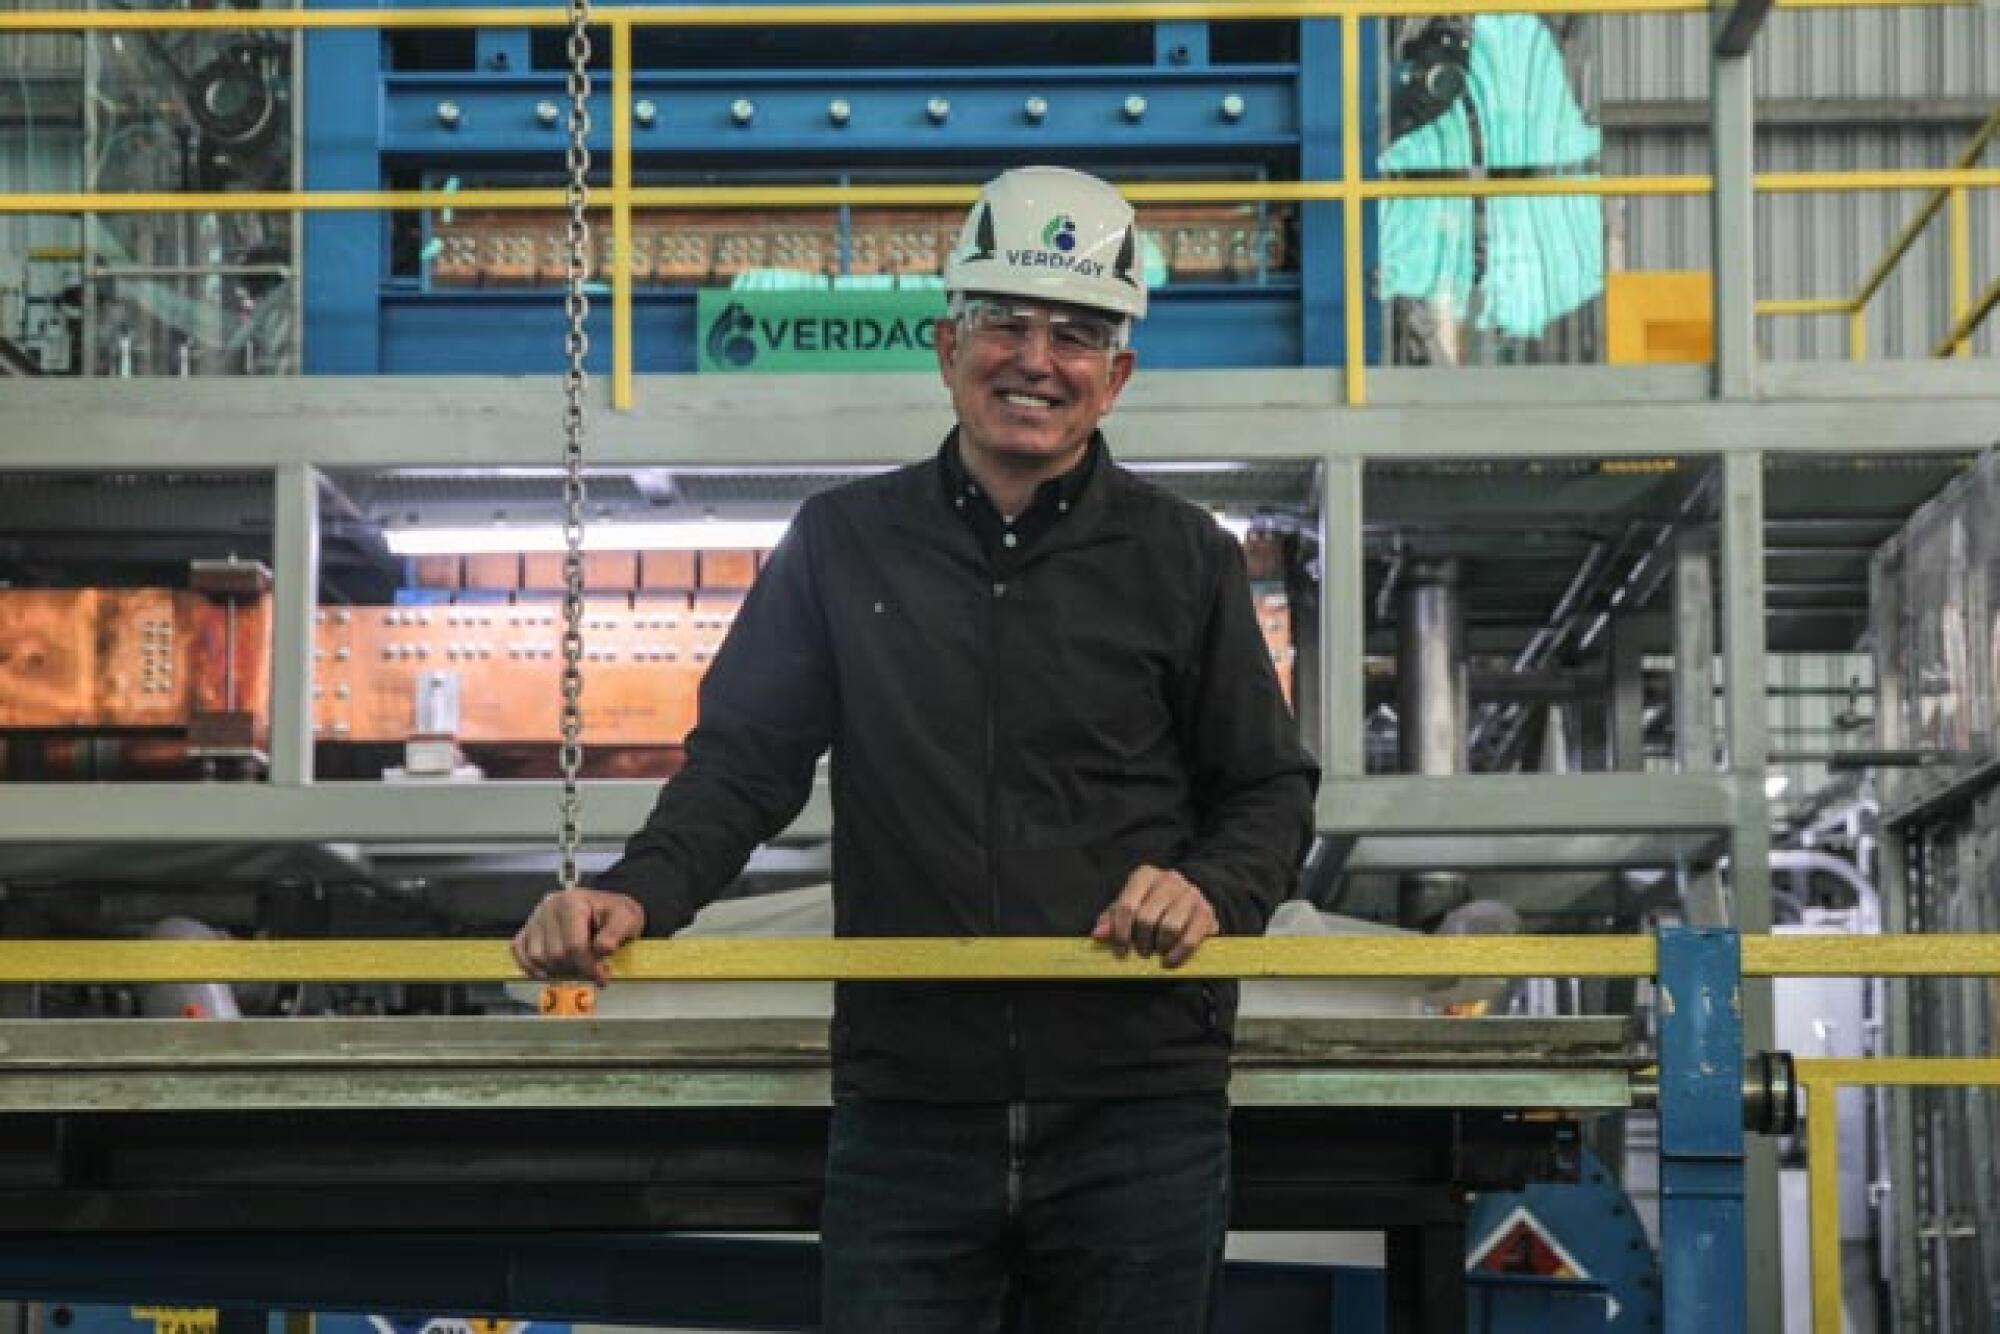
{"x": 180, "y": 294}
{"x": 1935, "y": 642}
{"x": 1239, "y": 285}
{"x": 1136, "y": 101}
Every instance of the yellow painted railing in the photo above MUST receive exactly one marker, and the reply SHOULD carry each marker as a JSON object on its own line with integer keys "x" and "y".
{"x": 907, "y": 959}
{"x": 1821, "y": 1081}
{"x": 1966, "y": 313}
{"x": 1351, "y": 190}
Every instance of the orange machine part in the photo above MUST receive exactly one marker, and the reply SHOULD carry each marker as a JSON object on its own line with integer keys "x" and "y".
{"x": 104, "y": 660}
{"x": 643, "y": 660}
{"x": 127, "y": 658}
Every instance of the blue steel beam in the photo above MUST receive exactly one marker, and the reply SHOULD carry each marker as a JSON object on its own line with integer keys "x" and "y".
{"x": 1701, "y": 1131}
{"x": 1204, "y": 111}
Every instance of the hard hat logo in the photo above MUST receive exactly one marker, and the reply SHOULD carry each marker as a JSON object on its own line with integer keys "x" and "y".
{"x": 1128, "y": 255}
{"x": 1050, "y": 234}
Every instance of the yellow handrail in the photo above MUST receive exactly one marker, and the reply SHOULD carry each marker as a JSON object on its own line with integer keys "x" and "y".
{"x": 1966, "y": 314}
{"x": 1967, "y": 156}
{"x": 1822, "y": 1081}
{"x": 941, "y": 959}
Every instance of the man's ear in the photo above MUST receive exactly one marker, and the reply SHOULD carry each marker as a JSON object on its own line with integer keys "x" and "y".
{"x": 944, "y": 333}
{"x": 1123, "y": 363}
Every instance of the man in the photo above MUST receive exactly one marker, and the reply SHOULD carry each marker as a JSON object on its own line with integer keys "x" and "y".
{"x": 1050, "y": 713}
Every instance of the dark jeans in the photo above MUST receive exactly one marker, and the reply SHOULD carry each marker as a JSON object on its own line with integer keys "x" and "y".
{"x": 1094, "y": 1217}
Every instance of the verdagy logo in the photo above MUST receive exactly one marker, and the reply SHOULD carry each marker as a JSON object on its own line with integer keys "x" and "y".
{"x": 729, "y": 341}
{"x": 1060, "y": 233}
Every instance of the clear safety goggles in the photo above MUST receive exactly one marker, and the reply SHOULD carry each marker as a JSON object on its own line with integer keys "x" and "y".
{"x": 1010, "y": 324}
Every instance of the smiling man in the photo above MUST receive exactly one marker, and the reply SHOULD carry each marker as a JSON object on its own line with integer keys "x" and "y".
{"x": 1050, "y": 713}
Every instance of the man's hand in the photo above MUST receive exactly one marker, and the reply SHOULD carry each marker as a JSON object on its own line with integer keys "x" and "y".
{"x": 573, "y": 931}
{"x": 1160, "y": 912}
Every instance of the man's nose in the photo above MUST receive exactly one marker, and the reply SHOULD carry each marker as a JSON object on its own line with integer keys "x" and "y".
{"x": 1037, "y": 350}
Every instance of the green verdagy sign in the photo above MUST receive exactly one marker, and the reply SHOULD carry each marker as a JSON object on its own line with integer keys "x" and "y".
{"x": 750, "y": 331}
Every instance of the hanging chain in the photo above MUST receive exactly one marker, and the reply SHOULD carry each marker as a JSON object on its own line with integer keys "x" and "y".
{"x": 576, "y": 307}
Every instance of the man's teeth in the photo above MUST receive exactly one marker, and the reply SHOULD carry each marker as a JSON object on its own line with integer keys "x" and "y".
{"x": 1029, "y": 400}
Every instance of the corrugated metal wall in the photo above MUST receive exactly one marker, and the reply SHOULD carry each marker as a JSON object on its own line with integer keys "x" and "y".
{"x": 1816, "y": 245}
{"x": 1860, "y": 53}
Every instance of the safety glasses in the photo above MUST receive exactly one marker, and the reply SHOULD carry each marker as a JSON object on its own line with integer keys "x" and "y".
{"x": 1009, "y": 324}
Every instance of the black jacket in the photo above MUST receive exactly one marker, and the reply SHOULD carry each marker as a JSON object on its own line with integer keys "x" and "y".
{"x": 1008, "y": 744}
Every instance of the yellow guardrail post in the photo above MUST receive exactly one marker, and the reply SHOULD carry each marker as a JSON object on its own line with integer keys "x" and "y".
{"x": 1822, "y": 1081}
{"x": 1959, "y": 233}
{"x": 621, "y": 213}
{"x": 1823, "y": 1198}
{"x": 1353, "y": 211}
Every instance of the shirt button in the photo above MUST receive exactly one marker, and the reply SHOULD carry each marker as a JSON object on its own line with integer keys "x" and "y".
{"x": 999, "y": 590}
{"x": 1063, "y": 508}
{"x": 960, "y": 502}
{"x": 1011, "y": 540}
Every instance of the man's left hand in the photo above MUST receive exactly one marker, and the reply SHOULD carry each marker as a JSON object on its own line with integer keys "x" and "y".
{"x": 1158, "y": 912}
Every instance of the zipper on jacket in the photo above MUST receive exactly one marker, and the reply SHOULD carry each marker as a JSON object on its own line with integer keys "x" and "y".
{"x": 1016, "y": 1080}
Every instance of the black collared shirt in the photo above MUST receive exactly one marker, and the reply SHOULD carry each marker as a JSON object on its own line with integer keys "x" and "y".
{"x": 1005, "y": 540}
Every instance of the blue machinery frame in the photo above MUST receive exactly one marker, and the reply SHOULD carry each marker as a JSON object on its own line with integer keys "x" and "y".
{"x": 365, "y": 120}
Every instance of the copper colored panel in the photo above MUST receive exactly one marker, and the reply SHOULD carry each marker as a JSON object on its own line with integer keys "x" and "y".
{"x": 497, "y": 572}
{"x": 437, "y": 572}
{"x": 610, "y": 571}
{"x": 232, "y": 648}
{"x": 542, "y": 571}
{"x": 666, "y": 569}
{"x": 333, "y": 673}
{"x": 48, "y": 657}
{"x": 639, "y": 676}
{"x": 92, "y": 658}
{"x": 728, "y": 570}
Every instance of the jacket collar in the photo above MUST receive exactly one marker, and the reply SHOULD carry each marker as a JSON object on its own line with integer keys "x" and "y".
{"x": 1101, "y": 512}
{"x": 1069, "y": 487}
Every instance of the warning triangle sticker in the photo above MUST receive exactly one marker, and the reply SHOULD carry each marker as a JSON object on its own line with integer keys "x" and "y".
{"x": 1522, "y": 1245}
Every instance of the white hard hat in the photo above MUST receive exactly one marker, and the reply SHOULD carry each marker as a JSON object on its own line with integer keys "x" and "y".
{"x": 1053, "y": 234}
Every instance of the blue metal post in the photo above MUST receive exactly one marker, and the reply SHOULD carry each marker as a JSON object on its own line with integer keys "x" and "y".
{"x": 345, "y": 254}
{"x": 1701, "y": 1131}
{"x": 1321, "y": 328}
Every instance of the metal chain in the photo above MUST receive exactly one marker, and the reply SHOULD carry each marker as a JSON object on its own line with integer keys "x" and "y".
{"x": 576, "y": 306}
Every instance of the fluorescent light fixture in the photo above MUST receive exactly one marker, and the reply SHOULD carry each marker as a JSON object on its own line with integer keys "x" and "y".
{"x": 695, "y": 535}
{"x": 1775, "y": 786}
{"x": 1189, "y": 467}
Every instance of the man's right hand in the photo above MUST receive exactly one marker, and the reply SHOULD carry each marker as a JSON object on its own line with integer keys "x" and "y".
{"x": 573, "y": 931}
